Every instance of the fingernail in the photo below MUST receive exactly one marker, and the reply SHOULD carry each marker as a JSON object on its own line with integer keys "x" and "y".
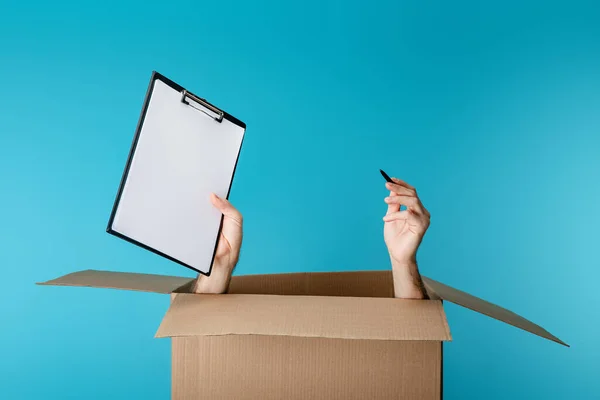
{"x": 387, "y": 199}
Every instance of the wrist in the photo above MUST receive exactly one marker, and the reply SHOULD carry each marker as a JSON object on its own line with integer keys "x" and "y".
{"x": 407, "y": 280}
{"x": 217, "y": 282}
{"x": 404, "y": 264}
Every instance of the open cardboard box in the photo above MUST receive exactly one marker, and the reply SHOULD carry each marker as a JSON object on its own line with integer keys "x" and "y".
{"x": 338, "y": 335}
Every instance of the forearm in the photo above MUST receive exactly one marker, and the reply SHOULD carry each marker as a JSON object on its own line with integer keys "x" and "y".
{"x": 408, "y": 283}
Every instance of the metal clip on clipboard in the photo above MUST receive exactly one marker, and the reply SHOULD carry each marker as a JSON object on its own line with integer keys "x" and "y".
{"x": 202, "y": 103}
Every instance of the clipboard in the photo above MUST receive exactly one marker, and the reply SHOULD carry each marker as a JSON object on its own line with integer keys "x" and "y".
{"x": 183, "y": 149}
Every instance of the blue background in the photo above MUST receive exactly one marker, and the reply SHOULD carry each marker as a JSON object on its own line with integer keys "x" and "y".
{"x": 491, "y": 111}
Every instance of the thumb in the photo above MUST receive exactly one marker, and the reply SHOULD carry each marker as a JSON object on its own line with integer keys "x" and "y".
{"x": 225, "y": 207}
{"x": 393, "y": 207}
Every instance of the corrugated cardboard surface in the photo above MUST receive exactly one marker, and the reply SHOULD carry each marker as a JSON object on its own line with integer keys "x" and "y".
{"x": 348, "y": 283}
{"x": 492, "y": 310}
{"x": 290, "y": 368}
{"x": 354, "y": 283}
{"x": 306, "y": 316}
{"x": 121, "y": 280}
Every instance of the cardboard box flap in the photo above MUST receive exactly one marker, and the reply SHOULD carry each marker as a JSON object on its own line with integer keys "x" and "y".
{"x": 305, "y": 316}
{"x": 121, "y": 280}
{"x": 466, "y": 300}
{"x": 349, "y": 283}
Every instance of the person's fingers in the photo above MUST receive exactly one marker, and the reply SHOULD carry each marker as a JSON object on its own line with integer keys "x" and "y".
{"x": 411, "y": 202}
{"x": 404, "y": 215}
{"x": 425, "y": 211}
{"x": 417, "y": 223}
{"x": 392, "y": 207}
{"x": 400, "y": 189}
{"x": 403, "y": 183}
{"x": 396, "y": 190}
{"x": 396, "y": 216}
{"x": 230, "y": 238}
{"x": 401, "y": 199}
{"x": 226, "y": 208}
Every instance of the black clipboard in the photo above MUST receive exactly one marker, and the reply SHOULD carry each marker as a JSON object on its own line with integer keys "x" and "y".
{"x": 147, "y": 235}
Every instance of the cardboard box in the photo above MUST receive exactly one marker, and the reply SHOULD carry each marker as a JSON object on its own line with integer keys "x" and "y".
{"x": 338, "y": 335}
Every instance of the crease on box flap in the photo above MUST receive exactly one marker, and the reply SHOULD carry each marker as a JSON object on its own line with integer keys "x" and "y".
{"x": 481, "y": 306}
{"x": 121, "y": 280}
{"x": 305, "y": 316}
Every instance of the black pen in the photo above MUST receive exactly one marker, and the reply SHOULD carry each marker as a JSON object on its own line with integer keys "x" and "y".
{"x": 386, "y": 176}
